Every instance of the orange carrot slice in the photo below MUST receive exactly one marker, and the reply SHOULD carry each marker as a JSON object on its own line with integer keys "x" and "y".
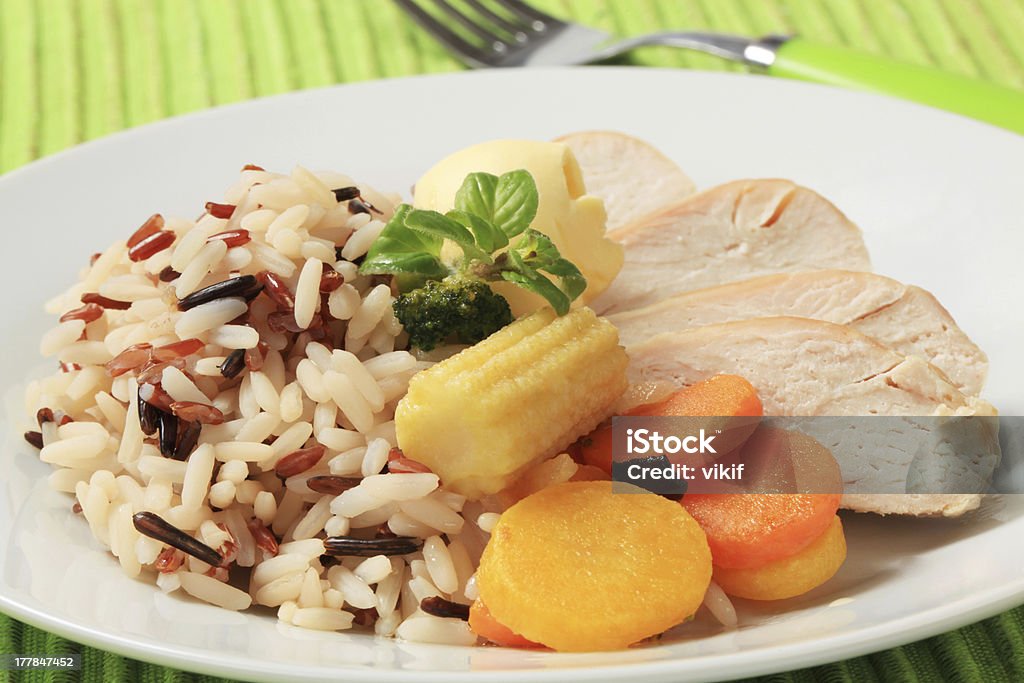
{"x": 753, "y": 529}
{"x": 729, "y": 401}
{"x": 486, "y": 626}
{"x": 790, "y": 576}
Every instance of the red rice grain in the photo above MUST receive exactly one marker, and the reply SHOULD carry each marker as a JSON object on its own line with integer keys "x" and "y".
{"x": 276, "y": 289}
{"x": 264, "y": 537}
{"x": 180, "y": 349}
{"x": 190, "y": 411}
{"x": 168, "y": 561}
{"x": 35, "y": 439}
{"x": 153, "y": 244}
{"x": 132, "y": 358}
{"x": 86, "y": 312}
{"x": 299, "y": 461}
{"x": 104, "y": 302}
{"x": 232, "y": 238}
{"x": 220, "y": 210}
{"x": 399, "y": 464}
{"x": 153, "y": 224}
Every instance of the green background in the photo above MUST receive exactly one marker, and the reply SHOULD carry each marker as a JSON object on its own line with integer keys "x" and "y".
{"x": 73, "y": 70}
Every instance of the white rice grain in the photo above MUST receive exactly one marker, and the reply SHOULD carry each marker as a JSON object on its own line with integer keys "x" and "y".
{"x": 198, "y": 471}
{"x": 213, "y": 591}
{"x": 258, "y": 428}
{"x": 313, "y": 522}
{"x": 399, "y": 487}
{"x": 322, "y": 618}
{"x": 434, "y": 514}
{"x": 203, "y": 317}
{"x": 198, "y": 268}
{"x": 180, "y": 387}
{"x": 265, "y": 393}
{"x": 373, "y": 569}
{"x": 249, "y": 451}
{"x": 61, "y": 336}
{"x": 370, "y": 312}
{"x": 349, "y": 400}
{"x": 307, "y": 292}
{"x": 344, "y": 302}
{"x": 235, "y": 337}
{"x": 355, "y": 590}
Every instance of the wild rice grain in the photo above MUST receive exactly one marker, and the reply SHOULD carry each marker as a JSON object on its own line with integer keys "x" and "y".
{"x": 167, "y": 430}
{"x": 346, "y": 546}
{"x": 153, "y": 526}
{"x": 439, "y": 607}
{"x": 244, "y": 286}
{"x": 233, "y": 364}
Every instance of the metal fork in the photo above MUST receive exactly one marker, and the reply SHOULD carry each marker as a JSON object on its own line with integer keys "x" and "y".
{"x": 522, "y": 35}
{"x": 525, "y": 36}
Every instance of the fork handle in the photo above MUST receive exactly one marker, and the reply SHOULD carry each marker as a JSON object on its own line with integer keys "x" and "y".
{"x": 805, "y": 60}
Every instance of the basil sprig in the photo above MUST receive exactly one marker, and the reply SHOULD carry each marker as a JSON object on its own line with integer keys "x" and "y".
{"x": 490, "y": 225}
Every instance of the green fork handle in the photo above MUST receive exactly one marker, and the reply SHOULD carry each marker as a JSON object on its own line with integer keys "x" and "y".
{"x": 805, "y": 60}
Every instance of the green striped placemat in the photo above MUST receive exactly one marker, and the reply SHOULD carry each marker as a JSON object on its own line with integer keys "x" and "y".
{"x": 72, "y": 70}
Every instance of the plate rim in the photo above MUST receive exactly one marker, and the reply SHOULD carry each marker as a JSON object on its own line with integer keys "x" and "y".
{"x": 758, "y": 661}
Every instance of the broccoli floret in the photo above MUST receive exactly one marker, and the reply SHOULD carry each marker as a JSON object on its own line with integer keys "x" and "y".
{"x": 456, "y": 309}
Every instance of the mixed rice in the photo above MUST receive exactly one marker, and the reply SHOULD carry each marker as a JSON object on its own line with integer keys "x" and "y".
{"x": 223, "y": 413}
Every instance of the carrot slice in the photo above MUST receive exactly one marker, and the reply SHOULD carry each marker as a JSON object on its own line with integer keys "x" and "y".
{"x": 718, "y": 396}
{"x": 752, "y": 529}
{"x": 580, "y": 567}
{"x": 729, "y": 402}
{"x": 790, "y": 576}
{"x": 486, "y": 626}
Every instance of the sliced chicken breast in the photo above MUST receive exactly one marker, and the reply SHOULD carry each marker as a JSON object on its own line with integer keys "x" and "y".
{"x": 804, "y": 367}
{"x": 632, "y": 177}
{"x": 907, "y": 319}
{"x": 735, "y": 231}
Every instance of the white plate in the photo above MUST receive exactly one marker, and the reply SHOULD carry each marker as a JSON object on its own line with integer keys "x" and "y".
{"x": 937, "y": 196}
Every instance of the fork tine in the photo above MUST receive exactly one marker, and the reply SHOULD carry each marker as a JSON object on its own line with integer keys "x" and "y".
{"x": 506, "y": 24}
{"x": 468, "y": 23}
{"x": 443, "y": 34}
{"x": 528, "y": 13}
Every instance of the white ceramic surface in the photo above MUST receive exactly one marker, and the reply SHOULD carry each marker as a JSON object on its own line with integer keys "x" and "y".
{"x": 938, "y": 197}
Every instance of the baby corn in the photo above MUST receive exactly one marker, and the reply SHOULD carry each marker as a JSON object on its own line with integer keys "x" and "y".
{"x": 523, "y": 394}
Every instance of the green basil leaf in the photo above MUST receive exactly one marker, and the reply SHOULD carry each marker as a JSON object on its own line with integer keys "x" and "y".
{"x": 538, "y": 284}
{"x": 537, "y": 249}
{"x": 570, "y": 278}
{"x": 476, "y": 195}
{"x": 438, "y": 226}
{"x": 515, "y": 202}
{"x": 509, "y": 202}
{"x": 487, "y": 237}
{"x": 400, "y": 249}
